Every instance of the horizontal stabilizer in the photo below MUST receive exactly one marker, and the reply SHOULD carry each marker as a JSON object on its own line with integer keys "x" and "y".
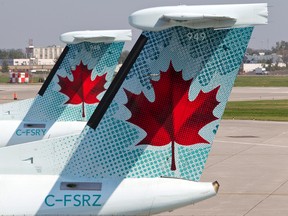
{"x": 96, "y": 36}
{"x": 200, "y": 16}
{"x": 86, "y": 38}
{"x": 197, "y": 17}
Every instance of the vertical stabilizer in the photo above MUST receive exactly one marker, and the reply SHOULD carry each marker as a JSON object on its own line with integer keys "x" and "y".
{"x": 71, "y": 92}
{"x": 80, "y": 77}
{"x": 165, "y": 115}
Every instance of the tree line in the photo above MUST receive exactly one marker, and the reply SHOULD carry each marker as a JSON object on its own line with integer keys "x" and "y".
{"x": 281, "y": 48}
{"x": 12, "y": 54}
{"x": 6, "y": 54}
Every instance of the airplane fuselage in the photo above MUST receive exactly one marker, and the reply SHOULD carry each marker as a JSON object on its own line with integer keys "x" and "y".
{"x": 16, "y": 131}
{"x": 49, "y": 194}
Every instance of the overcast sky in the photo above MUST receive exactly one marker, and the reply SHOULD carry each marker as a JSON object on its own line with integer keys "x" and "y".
{"x": 43, "y": 21}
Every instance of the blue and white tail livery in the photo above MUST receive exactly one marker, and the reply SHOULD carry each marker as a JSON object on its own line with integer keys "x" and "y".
{"x": 71, "y": 92}
{"x": 144, "y": 147}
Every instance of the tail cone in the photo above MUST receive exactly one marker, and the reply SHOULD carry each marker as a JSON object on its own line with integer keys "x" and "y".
{"x": 216, "y": 186}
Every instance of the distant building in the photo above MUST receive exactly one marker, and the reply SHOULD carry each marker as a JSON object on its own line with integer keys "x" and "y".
{"x": 45, "y": 61}
{"x": 43, "y": 55}
{"x": 252, "y": 62}
{"x": 27, "y": 62}
{"x": 17, "y": 62}
{"x": 50, "y": 52}
{"x": 37, "y": 56}
{"x": 250, "y": 67}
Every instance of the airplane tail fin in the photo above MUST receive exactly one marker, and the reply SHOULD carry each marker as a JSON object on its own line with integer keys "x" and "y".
{"x": 158, "y": 118}
{"x": 163, "y": 109}
{"x": 79, "y": 78}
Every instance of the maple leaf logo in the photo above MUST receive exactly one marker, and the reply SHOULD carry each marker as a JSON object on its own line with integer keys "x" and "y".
{"x": 82, "y": 89}
{"x": 172, "y": 117}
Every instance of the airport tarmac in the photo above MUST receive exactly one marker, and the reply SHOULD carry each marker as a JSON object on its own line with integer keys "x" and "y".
{"x": 249, "y": 159}
{"x": 258, "y": 93}
{"x": 24, "y": 91}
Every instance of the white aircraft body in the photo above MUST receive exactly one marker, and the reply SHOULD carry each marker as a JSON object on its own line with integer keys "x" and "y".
{"x": 144, "y": 148}
{"x": 131, "y": 196}
{"x": 17, "y": 131}
{"x": 68, "y": 97}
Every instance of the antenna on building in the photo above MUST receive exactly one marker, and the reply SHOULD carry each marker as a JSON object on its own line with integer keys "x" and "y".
{"x": 29, "y": 49}
{"x": 30, "y": 42}
{"x": 30, "y": 53}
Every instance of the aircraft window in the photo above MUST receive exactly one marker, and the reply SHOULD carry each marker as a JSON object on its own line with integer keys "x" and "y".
{"x": 32, "y": 125}
{"x": 97, "y": 186}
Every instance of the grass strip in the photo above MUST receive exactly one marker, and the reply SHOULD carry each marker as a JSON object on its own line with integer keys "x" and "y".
{"x": 261, "y": 81}
{"x": 265, "y": 110}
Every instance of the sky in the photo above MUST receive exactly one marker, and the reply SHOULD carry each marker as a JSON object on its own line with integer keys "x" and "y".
{"x": 44, "y": 21}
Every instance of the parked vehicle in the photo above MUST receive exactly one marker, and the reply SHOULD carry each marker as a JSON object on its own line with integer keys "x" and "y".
{"x": 261, "y": 71}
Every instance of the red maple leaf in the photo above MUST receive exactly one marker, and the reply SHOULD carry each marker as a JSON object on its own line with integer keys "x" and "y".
{"x": 82, "y": 89}
{"x": 172, "y": 117}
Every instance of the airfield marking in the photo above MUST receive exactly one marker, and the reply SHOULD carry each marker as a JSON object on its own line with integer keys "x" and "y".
{"x": 255, "y": 144}
{"x": 265, "y": 198}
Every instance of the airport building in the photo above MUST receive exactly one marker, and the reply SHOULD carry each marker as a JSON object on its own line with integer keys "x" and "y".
{"x": 262, "y": 61}
{"x": 37, "y": 59}
{"x": 49, "y": 52}
{"x": 43, "y": 55}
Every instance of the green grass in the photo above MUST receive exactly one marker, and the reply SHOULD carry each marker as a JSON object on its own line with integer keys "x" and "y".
{"x": 266, "y": 110}
{"x": 261, "y": 81}
{"x": 4, "y": 79}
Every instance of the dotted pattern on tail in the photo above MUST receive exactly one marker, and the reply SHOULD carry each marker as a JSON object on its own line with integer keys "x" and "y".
{"x": 206, "y": 57}
{"x": 101, "y": 58}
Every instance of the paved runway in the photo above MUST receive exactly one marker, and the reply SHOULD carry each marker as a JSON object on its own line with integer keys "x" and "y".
{"x": 258, "y": 93}
{"x": 250, "y": 161}
{"x": 24, "y": 91}
{"x": 248, "y": 158}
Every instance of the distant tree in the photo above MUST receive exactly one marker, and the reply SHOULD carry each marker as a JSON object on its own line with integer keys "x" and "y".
{"x": 16, "y": 54}
{"x": 123, "y": 56}
{"x": 3, "y": 54}
{"x": 281, "y": 48}
{"x": 11, "y": 54}
{"x": 285, "y": 59}
{"x": 5, "y": 67}
{"x": 267, "y": 52}
{"x": 269, "y": 65}
{"x": 245, "y": 60}
{"x": 251, "y": 51}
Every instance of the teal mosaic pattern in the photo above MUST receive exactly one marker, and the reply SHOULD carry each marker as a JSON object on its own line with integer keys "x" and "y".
{"x": 101, "y": 58}
{"x": 210, "y": 58}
